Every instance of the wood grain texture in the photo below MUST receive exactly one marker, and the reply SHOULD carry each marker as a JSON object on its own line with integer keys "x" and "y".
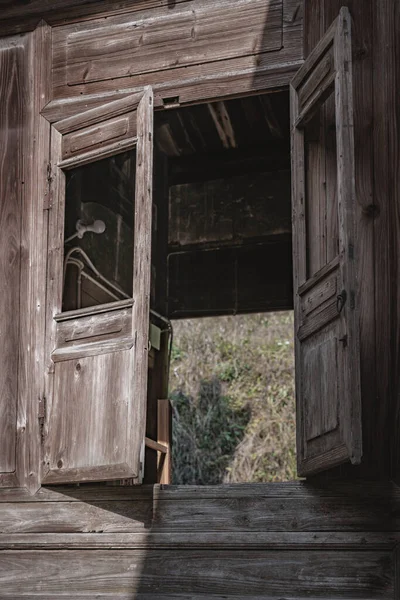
{"x": 137, "y": 44}
{"x": 239, "y": 509}
{"x": 327, "y": 355}
{"x": 12, "y": 121}
{"x": 240, "y": 74}
{"x": 33, "y": 266}
{"x": 92, "y": 432}
{"x": 192, "y": 84}
{"x": 136, "y": 417}
{"x": 395, "y": 451}
{"x": 375, "y": 123}
{"x": 155, "y": 574}
{"x": 355, "y": 491}
{"x": 386, "y": 226}
{"x": 18, "y": 18}
{"x": 291, "y": 540}
{"x": 192, "y": 33}
{"x": 164, "y": 436}
{"x": 96, "y": 381}
{"x": 298, "y": 541}
{"x": 95, "y": 334}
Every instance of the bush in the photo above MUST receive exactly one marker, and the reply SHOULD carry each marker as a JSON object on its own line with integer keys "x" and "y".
{"x": 232, "y": 392}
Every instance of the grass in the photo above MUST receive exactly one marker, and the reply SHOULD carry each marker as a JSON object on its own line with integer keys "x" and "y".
{"x": 232, "y": 392}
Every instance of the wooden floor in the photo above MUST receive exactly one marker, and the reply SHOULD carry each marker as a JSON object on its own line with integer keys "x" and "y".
{"x": 271, "y": 541}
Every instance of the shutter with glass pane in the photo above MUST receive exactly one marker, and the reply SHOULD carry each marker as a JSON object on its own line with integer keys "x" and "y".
{"x": 97, "y": 371}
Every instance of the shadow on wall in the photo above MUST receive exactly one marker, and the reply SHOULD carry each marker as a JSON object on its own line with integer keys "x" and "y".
{"x": 206, "y": 433}
{"x": 186, "y": 569}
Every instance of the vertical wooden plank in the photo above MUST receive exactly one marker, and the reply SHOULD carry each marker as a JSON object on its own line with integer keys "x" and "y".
{"x": 362, "y": 18}
{"x": 164, "y": 436}
{"x": 158, "y": 380}
{"x": 313, "y": 24}
{"x": 331, "y": 207}
{"x": 299, "y": 246}
{"x": 142, "y": 268}
{"x": 315, "y": 159}
{"x": 55, "y": 252}
{"x": 396, "y": 191}
{"x": 12, "y": 121}
{"x": 347, "y": 209}
{"x": 386, "y": 134}
{"x": 316, "y": 194}
{"x": 33, "y": 266}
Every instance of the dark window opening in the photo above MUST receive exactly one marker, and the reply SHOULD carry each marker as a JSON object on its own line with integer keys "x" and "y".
{"x": 98, "y": 232}
{"x": 224, "y": 251}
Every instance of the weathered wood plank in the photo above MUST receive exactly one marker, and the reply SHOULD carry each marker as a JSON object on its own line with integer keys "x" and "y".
{"x": 318, "y": 17}
{"x": 267, "y": 574}
{"x": 136, "y": 417}
{"x": 334, "y": 402}
{"x": 164, "y": 436}
{"x": 146, "y": 539}
{"x": 92, "y": 432}
{"x": 238, "y": 75}
{"x": 12, "y": 120}
{"x": 354, "y": 491}
{"x": 386, "y": 228}
{"x": 16, "y": 18}
{"x": 94, "y": 115}
{"x": 93, "y": 334}
{"x": 34, "y": 251}
{"x": 72, "y": 517}
{"x": 198, "y": 515}
{"x": 189, "y": 85}
{"x": 395, "y": 145}
{"x": 192, "y": 34}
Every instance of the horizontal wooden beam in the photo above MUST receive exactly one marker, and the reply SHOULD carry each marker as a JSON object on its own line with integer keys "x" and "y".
{"x": 155, "y": 445}
{"x": 19, "y": 17}
{"x": 308, "y": 540}
{"x": 275, "y": 156}
{"x": 356, "y": 492}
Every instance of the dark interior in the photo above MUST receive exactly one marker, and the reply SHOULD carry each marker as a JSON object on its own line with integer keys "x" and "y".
{"x": 221, "y": 242}
{"x": 228, "y": 243}
{"x": 221, "y": 219}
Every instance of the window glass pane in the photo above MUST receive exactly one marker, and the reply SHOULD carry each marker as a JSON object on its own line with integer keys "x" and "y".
{"x": 98, "y": 234}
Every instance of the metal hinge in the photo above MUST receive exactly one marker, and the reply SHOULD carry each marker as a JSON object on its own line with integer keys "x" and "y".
{"x": 47, "y": 201}
{"x": 42, "y": 415}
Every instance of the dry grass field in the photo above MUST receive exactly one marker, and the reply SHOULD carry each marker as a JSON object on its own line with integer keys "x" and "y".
{"x": 232, "y": 391}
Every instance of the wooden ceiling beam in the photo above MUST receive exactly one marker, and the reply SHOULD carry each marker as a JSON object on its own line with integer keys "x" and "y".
{"x": 223, "y": 124}
{"x": 274, "y": 157}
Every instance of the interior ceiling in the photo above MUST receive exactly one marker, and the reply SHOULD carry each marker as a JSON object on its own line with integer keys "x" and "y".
{"x": 252, "y": 122}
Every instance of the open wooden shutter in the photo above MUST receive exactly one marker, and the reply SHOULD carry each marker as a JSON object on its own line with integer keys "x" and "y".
{"x": 97, "y": 377}
{"x": 325, "y": 251}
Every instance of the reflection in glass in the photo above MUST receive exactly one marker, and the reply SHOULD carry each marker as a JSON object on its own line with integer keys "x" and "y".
{"x": 98, "y": 233}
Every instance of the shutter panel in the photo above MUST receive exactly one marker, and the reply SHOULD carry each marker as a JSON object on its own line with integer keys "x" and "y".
{"x": 326, "y": 318}
{"x": 97, "y": 375}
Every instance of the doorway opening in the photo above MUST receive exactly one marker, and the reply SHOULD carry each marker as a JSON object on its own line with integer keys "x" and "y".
{"x": 232, "y": 394}
{"x": 222, "y": 282}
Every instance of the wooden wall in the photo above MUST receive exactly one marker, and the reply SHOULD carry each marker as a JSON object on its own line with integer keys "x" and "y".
{"x": 36, "y": 78}
{"x": 230, "y": 246}
{"x": 23, "y": 190}
{"x": 269, "y": 541}
{"x": 376, "y": 48}
{"x": 214, "y": 51}
{"x": 291, "y": 540}
{"x": 12, "y": 119}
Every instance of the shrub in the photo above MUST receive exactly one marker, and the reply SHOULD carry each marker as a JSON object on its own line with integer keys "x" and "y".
{"x": 232, "y": 392}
